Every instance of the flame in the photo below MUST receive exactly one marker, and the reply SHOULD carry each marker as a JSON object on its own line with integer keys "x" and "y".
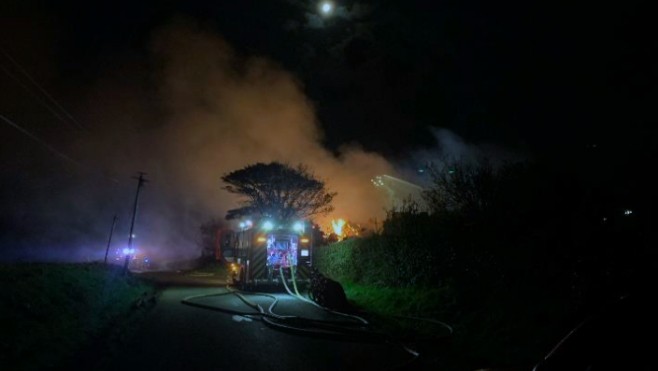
{"x": 338, "y": 225}
{"x": 342, "y": 229}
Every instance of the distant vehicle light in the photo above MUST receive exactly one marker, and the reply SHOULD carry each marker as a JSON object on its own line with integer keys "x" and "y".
{"x": 268, "y": 225}
{"x": 298, "y": 227}
{"x": 261, "y": 239}
{"x": 248, "y": 223}
{"x": 242, "y": 225}
{"x": 304, "y": 240}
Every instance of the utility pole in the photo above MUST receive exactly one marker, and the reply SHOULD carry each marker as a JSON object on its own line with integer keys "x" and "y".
{"x": 109, "y": 240}
{"x": 140, "y": 183}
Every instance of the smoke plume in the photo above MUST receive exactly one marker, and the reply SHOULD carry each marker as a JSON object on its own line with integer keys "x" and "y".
{"x": 196, "y": 109}
{"x": 205, "y": 111}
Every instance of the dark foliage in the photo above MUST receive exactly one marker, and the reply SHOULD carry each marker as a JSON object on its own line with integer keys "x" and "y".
{"x": 279, "y": 191}
{"x": 53, "y": 313}
{"x": 527, "y": 251}
{"x": 327, "y": 292}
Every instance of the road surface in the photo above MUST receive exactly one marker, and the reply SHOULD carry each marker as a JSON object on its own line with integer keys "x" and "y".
{"x": 175, "y": 336}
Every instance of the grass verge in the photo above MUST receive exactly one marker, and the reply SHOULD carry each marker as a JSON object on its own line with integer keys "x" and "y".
{"x": 51, "y": 312}
{"x": 496, "y": 333}
{"x": 397, "y": 310}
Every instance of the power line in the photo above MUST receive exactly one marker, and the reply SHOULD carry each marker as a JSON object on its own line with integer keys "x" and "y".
{"x": 77, "y": 124}
{"x": 39, "y": 140}
{"x": 49, "y": 147}
{"x": 34, "y": 95}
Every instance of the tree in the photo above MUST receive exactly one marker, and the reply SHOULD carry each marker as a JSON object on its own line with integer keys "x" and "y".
{"x": 277, "y": 191}
{"x": 460, "y": 186}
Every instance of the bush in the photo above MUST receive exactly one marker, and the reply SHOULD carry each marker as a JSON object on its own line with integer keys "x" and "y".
{"x": 338, "y": 260}
{"x": 382, "y": 260}
{"x": 525, "y": 252}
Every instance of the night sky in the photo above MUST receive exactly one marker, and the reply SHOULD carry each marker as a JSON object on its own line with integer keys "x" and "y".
{"x": 572, "y": 83}
{"x": 525, "y": 75}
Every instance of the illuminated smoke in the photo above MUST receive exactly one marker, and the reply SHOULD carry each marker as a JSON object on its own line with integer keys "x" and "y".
{"x": 196, "y": 111}
{"x": 213, "y": 111}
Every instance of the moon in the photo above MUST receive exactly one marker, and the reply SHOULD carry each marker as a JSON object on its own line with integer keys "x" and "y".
{"x": 326, "y": 7}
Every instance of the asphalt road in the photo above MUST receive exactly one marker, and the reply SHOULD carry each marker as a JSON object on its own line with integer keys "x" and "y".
{"x": 175, "y": 336}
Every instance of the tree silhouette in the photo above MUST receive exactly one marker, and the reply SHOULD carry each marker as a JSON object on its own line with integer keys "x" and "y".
{"x": 277, "y": 191}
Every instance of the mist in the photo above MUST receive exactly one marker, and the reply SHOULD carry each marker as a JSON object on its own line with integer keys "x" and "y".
{"x": 449, "y": 147}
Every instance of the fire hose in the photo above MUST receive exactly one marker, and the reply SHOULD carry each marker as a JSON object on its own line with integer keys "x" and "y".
{"x": 354, "y": 329}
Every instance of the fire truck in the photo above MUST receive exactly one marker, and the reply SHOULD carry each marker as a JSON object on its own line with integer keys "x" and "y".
{"x": 259, "y": 251}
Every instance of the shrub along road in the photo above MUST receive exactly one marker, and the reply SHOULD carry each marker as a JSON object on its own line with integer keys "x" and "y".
{"x": 175, "y": 336}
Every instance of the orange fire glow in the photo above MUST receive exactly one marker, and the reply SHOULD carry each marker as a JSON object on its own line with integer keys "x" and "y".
{"x": 337, "y": 225}
{"x": 343, "y": 229}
